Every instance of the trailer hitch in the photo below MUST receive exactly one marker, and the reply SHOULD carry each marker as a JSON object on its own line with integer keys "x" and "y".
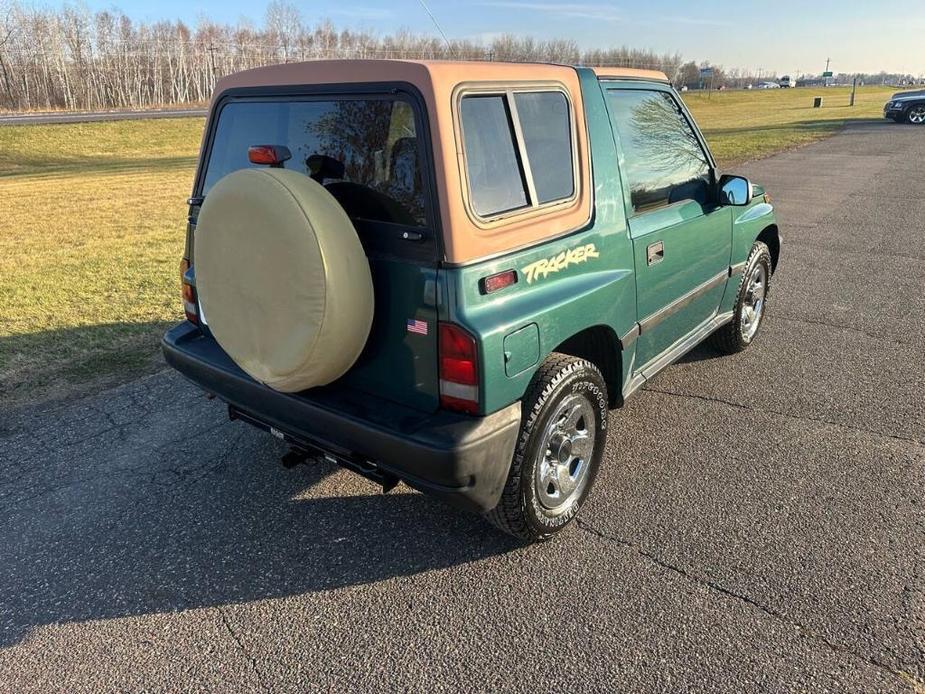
{"x": 297, "y": 455}
{"x": 293, "y": 457}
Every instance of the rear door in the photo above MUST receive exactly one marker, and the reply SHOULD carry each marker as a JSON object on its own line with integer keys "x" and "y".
{"x": 369, "y": 149}
{"x": 681, "y": 237}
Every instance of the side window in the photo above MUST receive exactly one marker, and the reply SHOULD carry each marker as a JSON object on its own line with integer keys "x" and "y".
{"x": 544, "y": 121}
{"x": 496, "y": 183}
{"x": 519, "y": 149}
{"x": 664, "y": 162}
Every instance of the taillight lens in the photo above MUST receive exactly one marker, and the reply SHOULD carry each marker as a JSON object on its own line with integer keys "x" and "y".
{"x": 190, "y": 305}
{"x": 273, "y": 155}
{"x": 494, "y": 283}
{"x": 459, "y": 374}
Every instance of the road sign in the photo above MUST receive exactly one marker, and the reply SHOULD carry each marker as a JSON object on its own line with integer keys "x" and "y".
{"x": 706, "y": 72}
{"x": 827, "y": 73}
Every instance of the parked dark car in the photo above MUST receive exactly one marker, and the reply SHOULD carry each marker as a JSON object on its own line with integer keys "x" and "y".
{"x": 906, "y": 107}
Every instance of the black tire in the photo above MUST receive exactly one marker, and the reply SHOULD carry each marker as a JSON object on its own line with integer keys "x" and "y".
{"x": 561, "y": 381}
{"x": 736, "y": 335}
{"x": 915, "y": 114}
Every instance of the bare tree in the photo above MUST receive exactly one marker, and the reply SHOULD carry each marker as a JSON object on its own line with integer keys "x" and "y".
{"x": 7, "y": 30}
{"x": 72, "y": 58}
{"x": 284, "y": 27}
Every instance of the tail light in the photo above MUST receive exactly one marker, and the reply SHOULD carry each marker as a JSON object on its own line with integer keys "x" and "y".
{"x": 190, "y": 305}
{"x": 459, "y": 369}
{"x": 272, "y": 155}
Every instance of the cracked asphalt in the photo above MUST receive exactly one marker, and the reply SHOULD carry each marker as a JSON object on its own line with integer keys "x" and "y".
{"x": 757, "y": 524}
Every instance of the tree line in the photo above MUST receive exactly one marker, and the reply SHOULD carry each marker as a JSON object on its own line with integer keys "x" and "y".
{"x": 73, "y": 58}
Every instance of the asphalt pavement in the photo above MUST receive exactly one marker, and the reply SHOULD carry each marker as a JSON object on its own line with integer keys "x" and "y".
{"x": 757, "y": 524}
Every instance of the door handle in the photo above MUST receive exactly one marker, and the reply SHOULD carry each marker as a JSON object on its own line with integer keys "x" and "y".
{"x": 655, "y": 253}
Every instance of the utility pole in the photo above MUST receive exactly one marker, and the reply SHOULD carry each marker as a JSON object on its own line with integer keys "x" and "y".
{"x": 854, "y": 90}
{"x": 212, "y": 56}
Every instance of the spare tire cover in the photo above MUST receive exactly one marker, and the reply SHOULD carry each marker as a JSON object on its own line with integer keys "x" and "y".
{"x": 282, "y": 279}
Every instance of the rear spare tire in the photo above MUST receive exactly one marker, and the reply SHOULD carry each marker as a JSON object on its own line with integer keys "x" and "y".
{"x": 282, "y": 279}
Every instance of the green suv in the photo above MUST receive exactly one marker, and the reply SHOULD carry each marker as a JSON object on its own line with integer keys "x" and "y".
{"x": 447, "y": 273}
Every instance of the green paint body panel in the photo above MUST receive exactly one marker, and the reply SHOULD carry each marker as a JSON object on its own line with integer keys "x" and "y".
{"x": 397, "y": 364}
{"x": 599, "y": 291}
{"x": 696, "y": 249}
{"x": 522, "y": 349}
{"x": 614, "y": 290}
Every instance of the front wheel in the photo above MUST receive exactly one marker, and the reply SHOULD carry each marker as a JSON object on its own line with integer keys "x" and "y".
{"x": 916, "y": 114}
{"x": 750, "y": 303}
{"x": 558, "y": 450}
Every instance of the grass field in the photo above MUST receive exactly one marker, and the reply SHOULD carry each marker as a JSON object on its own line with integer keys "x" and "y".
{"x": 744, "y": 125}
{"x": 93, "y": 224}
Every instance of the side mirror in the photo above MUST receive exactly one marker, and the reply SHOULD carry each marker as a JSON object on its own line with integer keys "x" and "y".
{"x": 734, "y": 190}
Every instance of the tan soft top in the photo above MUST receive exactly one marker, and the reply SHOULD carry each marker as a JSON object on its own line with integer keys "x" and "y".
{"x": 464, "y": 238}
{"x": 622, "y": 73}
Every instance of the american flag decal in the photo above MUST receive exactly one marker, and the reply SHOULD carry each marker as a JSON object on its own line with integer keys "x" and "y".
{"x": 417, "y": 326}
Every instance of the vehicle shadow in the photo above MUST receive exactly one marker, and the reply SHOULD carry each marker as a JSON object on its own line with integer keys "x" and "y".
{"x": 61, "y": 364}
{"x": 231, "y": 526}
{"x": 702, "y": 352}
{"x": 805, "y": 125}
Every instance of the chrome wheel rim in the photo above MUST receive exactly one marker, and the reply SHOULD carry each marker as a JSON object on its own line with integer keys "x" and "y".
{"x": 917, "y": 115}
{"x": 565, "y": 454}
{"x": 753, "y": 301}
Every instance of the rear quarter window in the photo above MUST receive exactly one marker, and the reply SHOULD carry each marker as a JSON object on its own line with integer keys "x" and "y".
{"x": 520, "y": 148}
{"x": 496, "y": 180}
{"x": 544, "y": 121}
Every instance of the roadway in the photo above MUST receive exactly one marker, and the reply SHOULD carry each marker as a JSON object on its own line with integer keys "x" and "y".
{"x": 757, "y": 524}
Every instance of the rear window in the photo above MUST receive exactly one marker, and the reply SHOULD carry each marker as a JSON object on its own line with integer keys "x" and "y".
{"x": 364, "y": 151}
{"x": 519, "y": 148}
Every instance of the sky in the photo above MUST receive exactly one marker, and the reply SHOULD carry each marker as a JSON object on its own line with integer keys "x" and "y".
{"x": 782, "y": 36}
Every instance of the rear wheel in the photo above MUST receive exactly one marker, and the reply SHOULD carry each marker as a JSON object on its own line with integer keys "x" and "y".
{"x": 750, "y": 304}
{"x": 558, "y": 451}
{"x": 916, "y": 114}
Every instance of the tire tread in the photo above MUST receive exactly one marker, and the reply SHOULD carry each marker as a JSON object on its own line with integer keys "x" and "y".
{"x": 508, "y": 515}
{"x": 728, "y": 339}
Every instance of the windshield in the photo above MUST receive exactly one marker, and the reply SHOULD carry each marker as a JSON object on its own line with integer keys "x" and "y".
{"x": 363, "y": 151}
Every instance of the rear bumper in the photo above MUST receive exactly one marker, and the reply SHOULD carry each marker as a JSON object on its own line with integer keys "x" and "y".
{"x": 464, "y": 460}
